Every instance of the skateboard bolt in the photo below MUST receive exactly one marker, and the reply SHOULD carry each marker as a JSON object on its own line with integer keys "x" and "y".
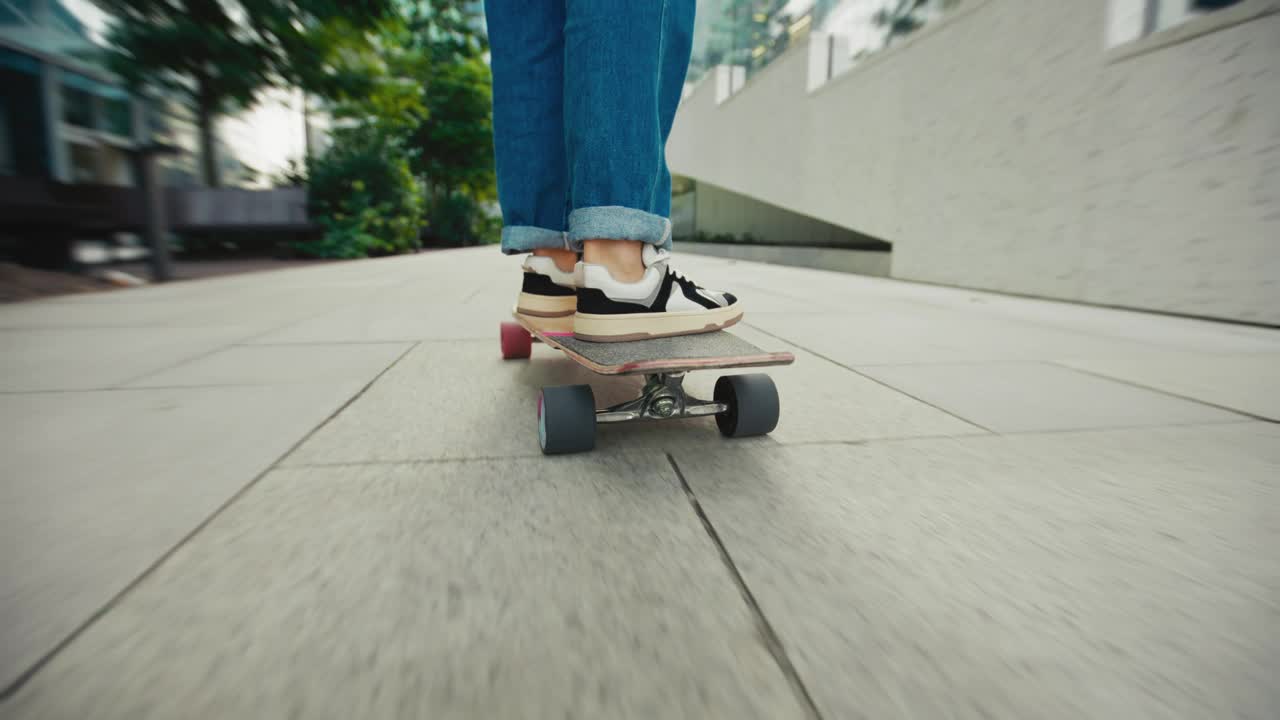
{"x": 663, "y": 407}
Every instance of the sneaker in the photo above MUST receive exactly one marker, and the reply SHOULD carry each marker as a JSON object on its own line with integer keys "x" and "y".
{"x": 547, "y": 297}
{"x": 662, "y": 303}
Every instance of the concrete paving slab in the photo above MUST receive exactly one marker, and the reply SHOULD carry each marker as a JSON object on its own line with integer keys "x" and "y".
{"x": 824, "y": 402}
{"x": 49, "y": 315}
{"x": 878, "y": 334}
{"x": 1028, "y": 397}
{"x": 576, "y": 587}
{"x": 460, "y": 399}
{"x": 1113, "y": 574}
{"x": 444, "y": 400}
{"x": 1125, "y": 573}
{"x": 1157, "y": 331}
{"x": 280, "y": 365}
{"x": 98, "y": 485}
{"x": 1248, "y": 383}
{"x": 93, "y": 358}
{"x": 395, "y": 320}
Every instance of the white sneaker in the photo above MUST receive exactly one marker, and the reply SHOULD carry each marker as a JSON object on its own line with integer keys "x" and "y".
{"x": 547, "y": 297}
{"x": 662, "y": 303}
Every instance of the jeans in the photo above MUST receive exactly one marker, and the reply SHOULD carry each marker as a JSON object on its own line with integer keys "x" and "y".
{"x": 584, "y": 94}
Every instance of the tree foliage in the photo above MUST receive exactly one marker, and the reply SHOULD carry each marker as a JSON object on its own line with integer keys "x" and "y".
{"x": 456, "y": 137}
{"x": 364, "y": 195}
{"x": 220, "y": 53}
{"x": 405, "y": 81}
{"x": 430, "y": 88}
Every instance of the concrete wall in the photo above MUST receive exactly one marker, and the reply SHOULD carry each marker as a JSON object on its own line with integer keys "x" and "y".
{"x": 857, "y": 262}
{"x": 1006, "y": 148}
{"x": 715, "y": 211}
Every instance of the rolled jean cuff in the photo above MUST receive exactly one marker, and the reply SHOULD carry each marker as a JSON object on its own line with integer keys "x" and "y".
{"x": 525, "y": 238}
{"x": 614, "y": 222}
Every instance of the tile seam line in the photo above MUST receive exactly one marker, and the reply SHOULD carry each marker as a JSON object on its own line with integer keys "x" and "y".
{"x": 1166, "y": 393}
{"x": 404, "y": 462}
{"x": 220, "y": 348}
{"x": 772, "y": 641}
{"x": 875, "y": 380}
{"x": 394, "y": 341}
{"x": 872, "y": 442}
{"x": 34, "y": 669}
{"x": 309, "y": 343}
{"x": 137, "y": 388}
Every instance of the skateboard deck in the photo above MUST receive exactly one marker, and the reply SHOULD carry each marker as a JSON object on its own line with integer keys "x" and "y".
{"x": 682, "y": 353}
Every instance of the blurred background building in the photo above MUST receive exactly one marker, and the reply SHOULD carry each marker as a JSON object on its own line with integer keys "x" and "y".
{"x": 1120, "y": 152}
{"x": 62, "y": 115}
{"x": 65, "y": 116}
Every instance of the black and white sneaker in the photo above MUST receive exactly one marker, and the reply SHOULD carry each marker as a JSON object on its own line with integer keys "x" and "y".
{"x": 547, "y": 297}
{"x": 662, "y": 303}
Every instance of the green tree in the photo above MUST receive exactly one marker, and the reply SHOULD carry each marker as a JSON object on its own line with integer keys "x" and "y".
{"x": 427, "y": 89}
{"x": 362, "y": 192}
{"x": 455, "y": 140}
{"x": 220, "y": 53}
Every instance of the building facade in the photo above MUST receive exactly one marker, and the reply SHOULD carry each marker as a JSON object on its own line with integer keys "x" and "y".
{"x": 64, "y": 116}
{"x": 1118, "y": 152}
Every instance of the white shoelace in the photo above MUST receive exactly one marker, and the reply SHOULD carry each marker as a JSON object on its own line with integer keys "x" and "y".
{"x": 663, "y": 256}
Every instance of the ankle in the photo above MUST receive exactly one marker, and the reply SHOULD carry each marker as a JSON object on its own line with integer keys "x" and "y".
{"x": 564, "y": 259}
{"x": 622, "y": 258}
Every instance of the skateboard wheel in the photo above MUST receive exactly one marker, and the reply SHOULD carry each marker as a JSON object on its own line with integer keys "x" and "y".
{"x": 516, "y": 341}
{"x": 752, "y": 402}
{"x": 566, "y": 419}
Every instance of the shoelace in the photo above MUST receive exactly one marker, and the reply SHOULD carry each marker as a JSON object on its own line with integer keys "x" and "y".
{"x": 663, "y": 256}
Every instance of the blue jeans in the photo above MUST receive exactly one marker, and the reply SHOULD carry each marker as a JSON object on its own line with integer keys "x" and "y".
{"x": 584, "y": 94}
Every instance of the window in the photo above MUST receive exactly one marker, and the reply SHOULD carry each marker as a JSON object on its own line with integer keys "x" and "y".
{"x": 77, "y": 107}
{"x": 1134, "y": 19}
{"x": 117, "y": 117}
{"x": 84, "y": 163}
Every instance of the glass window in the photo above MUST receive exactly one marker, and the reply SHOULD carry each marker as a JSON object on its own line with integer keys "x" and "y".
{"x": 77, "y": 107}
{"x": 84, "y": 164}
{"x": 750, "y": 34}
{"x": 118, "y": 117}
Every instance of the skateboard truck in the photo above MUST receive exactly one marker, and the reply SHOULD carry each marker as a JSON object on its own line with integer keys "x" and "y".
{"x": 662, "y": 397}
{"x": 743, "y": 405}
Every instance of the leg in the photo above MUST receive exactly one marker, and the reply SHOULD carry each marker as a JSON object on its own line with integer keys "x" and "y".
{"x": 527, "y": 58}
{"x": 625, "y": 64}
{"x": 526, "y": 39}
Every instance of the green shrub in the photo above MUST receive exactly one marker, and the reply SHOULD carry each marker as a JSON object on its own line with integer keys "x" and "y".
{"x": 364, "y": 196}
{"x": 456, "y": 218}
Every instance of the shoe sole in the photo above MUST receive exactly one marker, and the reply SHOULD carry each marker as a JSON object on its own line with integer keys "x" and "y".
{"x": 644, "y": 326}
{"x": 548, "y": 314}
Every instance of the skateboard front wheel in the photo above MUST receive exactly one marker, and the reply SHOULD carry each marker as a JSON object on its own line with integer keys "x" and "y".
{"x": 516, "y": 341}
{"x": 566, "y": 419}
{"x": 752, "y": 405}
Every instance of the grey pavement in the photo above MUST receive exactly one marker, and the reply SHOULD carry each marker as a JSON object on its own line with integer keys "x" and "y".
{"x": 317, "y": 493}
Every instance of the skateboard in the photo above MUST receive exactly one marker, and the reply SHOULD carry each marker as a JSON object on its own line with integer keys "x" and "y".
{"x": 743, "y": 405}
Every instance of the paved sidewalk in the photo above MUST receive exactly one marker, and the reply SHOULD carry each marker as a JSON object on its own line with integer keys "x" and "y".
{"x": 317, "y": 493}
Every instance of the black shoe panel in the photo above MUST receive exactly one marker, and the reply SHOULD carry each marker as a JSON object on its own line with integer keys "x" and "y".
{"x": 538, "y": 284}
